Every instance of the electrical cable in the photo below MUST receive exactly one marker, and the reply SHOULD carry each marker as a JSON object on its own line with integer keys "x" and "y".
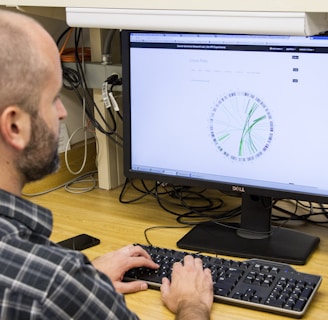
{"x": 69, "y": 54}
{"x": 147, "y": 230}
{"x": 84, "y": 127}
{"x": 181, "y": 198}
{"x": 65, "y": 185}
{"x": 195, "y": 214}
{"x": 107, "y": 47}
{"x": 89, "y": 97}
{"x": 78, "y": 190}
{"x": 75, "y": 80}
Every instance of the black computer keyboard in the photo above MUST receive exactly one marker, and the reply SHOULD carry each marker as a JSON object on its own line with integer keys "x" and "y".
{"x": 260, "y": 284}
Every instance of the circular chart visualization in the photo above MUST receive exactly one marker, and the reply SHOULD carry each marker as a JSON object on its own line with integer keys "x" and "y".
{"x": 241, "y": 126}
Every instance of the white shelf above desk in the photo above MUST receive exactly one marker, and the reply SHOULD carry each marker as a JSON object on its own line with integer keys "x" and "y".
{"x": 293, "y": 17}
{"x": 208, "y": 5}
{"x": 289, "y": 23}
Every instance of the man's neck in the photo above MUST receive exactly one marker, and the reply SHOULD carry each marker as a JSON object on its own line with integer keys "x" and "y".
{"x": 10, "y": 180}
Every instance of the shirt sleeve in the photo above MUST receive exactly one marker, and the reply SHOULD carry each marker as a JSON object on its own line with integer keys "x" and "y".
{"x": 79, "y": 291}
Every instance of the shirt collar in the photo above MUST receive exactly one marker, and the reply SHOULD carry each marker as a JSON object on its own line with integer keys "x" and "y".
{"x": 35, "y": 217}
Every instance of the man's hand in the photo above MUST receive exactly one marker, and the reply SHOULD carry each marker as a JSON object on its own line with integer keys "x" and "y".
{"x": 190, "y": 293}
{"x": 115, "y": 264}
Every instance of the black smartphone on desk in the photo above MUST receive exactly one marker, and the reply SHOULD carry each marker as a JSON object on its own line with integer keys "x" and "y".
{"x": 79, "y": 242}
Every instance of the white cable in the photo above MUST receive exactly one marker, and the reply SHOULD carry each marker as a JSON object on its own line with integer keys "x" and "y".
{"x": 66, "y": 184}
{"x": 84, "y": 128}
{"x": 85, "y": 151}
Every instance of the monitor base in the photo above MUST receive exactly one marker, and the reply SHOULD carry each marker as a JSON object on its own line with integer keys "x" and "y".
{"x": 283, "y": 245}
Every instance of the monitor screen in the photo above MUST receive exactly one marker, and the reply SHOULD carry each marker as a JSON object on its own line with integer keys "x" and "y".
{"x": 240, "y": 113}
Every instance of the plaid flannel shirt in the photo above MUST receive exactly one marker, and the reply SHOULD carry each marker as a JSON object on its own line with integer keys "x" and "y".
{"x": 40, "y": 280}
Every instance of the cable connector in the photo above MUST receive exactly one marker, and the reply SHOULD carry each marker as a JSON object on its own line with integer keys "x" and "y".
{"x": 113, "y": 101}
{"x": 107, "y": 95}
{"x": 112, "y": 78}
{"x": 104, "y": 93}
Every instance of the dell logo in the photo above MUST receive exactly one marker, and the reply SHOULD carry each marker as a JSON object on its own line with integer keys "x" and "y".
{"x": 238, "y": 189}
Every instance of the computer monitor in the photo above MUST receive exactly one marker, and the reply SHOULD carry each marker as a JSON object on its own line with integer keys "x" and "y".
{"x": 238, "y": 113}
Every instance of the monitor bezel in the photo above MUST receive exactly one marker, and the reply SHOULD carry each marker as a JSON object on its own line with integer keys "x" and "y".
{"x": 129, "y": 172}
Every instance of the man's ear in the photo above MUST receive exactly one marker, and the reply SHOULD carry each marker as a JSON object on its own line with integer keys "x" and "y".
{"x": 15, "y": 127}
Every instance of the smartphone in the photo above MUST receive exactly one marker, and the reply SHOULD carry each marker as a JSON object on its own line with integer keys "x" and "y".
{"x": 79, "y": 242}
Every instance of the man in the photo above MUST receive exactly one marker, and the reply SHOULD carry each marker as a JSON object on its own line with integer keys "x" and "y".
{"x": 38, "y": 279}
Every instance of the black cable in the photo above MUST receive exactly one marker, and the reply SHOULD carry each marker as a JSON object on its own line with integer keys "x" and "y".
{"x": 179, "y": 197}
{"x": 305, "y": 217}
{"x": 71, "y": 79}
{"x": 75, "y": 80}
{"x": 115, "y": 82}
{"x": 177, "y": 200}
{"x": 182, "y": 195}
{"x": 146, "y": 231}
{"x": 62, "y": 36}
{"x": 88, "y": 94}
{"x": 144, "y": 193}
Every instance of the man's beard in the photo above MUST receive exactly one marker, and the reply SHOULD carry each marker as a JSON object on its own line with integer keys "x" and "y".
{"x": 40, "y": 157}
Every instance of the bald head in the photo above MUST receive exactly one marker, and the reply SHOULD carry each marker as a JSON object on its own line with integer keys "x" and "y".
{"x": 27, "y": 55}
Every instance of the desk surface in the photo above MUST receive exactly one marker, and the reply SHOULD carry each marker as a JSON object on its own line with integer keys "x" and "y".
{"x": 100, "y": 214}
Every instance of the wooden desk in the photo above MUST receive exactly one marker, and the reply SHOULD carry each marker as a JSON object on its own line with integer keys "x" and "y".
{"x": 100, "y": 213}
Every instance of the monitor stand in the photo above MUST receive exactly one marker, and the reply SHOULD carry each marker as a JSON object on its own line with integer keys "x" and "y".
{"x": 253, "y": 237}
